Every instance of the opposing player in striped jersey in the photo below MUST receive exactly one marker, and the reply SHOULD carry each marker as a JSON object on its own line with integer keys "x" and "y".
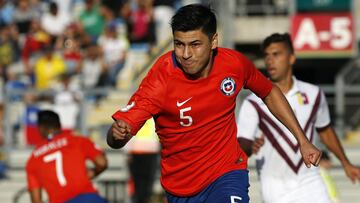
{"x": 284, "y": 178}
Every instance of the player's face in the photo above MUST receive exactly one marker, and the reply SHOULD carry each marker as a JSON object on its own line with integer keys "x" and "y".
{"x": 278, "y": 61}
{"x": 194, "y": 51}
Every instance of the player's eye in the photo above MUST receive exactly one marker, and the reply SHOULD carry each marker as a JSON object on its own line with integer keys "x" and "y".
{"x": 194, "y": 45}
{"x": 178, "y": 44}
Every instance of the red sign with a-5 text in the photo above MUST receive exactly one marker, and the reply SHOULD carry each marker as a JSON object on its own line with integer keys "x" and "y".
{"x": 323, "y": 34}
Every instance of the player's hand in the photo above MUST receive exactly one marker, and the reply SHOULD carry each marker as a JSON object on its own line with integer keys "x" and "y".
{"x": 258, "y": 143}
{"x": 310, "y": 154}
{"x": 121, "y": 130}
{"x": 353, "y": 172}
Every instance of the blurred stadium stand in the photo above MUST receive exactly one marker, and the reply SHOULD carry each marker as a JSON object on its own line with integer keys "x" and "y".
{"x": 242, "y": 24}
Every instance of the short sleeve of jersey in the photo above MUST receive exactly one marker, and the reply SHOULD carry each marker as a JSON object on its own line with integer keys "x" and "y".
{"x": 248, "y": 121}
{"x": 323, "y": 115}
{"x": 32, "y": 182}
{"x": 147, "y": 100}
{"x": 90, "y": 149}
{"x": 255, "y": 80}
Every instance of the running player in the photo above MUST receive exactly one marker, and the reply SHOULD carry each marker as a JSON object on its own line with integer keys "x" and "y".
{"x": 58, "y": 165}
{"x": 282, "y": 174}
{"x": 191, "y": 93}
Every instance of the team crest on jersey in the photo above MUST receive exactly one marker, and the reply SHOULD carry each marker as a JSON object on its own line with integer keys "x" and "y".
{"x": 228, "y": 86}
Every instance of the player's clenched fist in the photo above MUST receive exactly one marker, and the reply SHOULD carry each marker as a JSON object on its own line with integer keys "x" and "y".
{"x": 120, "y": 130}
{"x": 311, "y": 155}
{"x": 119, "y": 134}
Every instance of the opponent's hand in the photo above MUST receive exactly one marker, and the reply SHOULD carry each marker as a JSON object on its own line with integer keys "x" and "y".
{"x": 121, "y": 130}
{"x": 352, "y": 172}
{"x": 310, "y": 154}
{"x": 258, "y": 143}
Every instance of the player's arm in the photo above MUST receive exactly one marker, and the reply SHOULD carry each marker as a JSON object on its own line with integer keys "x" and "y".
{"x": 247, "y": 123}
{"x": 280, "y": 108}
{"x": 35, "y": 195}
{"x": 246, "y": 145}
{"x": 100, "y": 163}
{"x": 331, "y": 141}
{"x": 118, "y": 134}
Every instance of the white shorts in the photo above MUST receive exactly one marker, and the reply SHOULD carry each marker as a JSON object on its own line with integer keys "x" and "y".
{"x": 302, "y": 190}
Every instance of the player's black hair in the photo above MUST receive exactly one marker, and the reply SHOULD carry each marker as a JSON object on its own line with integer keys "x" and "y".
{"x": 194, "y": 17}
{"x": 48, "y": 119}
{"x": 277, "y": 37}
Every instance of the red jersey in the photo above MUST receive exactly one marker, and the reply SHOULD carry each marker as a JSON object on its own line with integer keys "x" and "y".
{"x": 59, "y": 167}
{"x": 195, "y": 119}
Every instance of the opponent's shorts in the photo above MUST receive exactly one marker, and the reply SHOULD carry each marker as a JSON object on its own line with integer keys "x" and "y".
{"x": 302, "y": 189}
{"x": 88, "y": 198}
{"x": 232, "y": 187}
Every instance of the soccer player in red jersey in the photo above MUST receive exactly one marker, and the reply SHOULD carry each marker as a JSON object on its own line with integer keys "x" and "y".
{"x": 191, "y": 93}
{"x": 58, "y": 164}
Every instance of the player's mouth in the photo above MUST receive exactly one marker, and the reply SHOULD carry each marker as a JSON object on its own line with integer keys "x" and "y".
{"x": 271, "y": 70}
{"x": 188, "y": 63}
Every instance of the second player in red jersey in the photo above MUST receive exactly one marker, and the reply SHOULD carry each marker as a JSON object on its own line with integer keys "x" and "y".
{"x": 59, "y": 164}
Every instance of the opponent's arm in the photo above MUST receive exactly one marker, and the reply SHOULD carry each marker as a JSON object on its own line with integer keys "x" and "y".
{"x": 331, "y": 141}
{"x": 251, "y": 147}
{"x": 280, "y": 108}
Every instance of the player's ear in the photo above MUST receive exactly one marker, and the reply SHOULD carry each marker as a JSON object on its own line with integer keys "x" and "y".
{"x": 214, "y": 41}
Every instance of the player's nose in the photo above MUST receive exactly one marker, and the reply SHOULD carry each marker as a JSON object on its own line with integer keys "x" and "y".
{"x": 187, "y": 52}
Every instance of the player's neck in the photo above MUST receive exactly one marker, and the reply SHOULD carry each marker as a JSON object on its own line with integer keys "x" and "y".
{"x": 53, "y": 133}
{"x": 286, "y": 84}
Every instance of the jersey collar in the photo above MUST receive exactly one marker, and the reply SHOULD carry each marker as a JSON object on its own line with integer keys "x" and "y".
{"x": 295, "y": 88}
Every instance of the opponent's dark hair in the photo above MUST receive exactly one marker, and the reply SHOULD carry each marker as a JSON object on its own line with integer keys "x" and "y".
{"x": 194, "y": 17}
{"x": 277, "y": 37}
{"x": 49, "y": 119}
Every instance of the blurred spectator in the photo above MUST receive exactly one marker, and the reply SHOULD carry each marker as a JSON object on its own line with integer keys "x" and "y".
{"x": 325, "y": 165}
{"x": 92, "y": 19}
{"x": 35, "y": 40}
{"x": 6, "y": 12}
{"x": 163, "y": 11}
{"x": 113, "y": 6}
{"x": 66, "y": 99}
{"x": 48, "y": 68}
{"x": 9, "y": 49}
{"x": 66, "y": 7}
{"x": 1, "y": 111}
{"x": 69, "y": 43}
{"x": 3, "y": 166}
{"x": 116, "y": 17}
{"x": 114, "y": 48}
{"x": 23, "y": 15}
{"x": 93, "y": 68}
{"x": 13, "y": 84}
{"x": 53, "y": 21}
{"x": 141, "y": 23}
{"x": 72, "y": 55}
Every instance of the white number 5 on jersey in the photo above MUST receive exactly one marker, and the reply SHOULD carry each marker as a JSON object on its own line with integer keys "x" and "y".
{"x": 186, "y": 120}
